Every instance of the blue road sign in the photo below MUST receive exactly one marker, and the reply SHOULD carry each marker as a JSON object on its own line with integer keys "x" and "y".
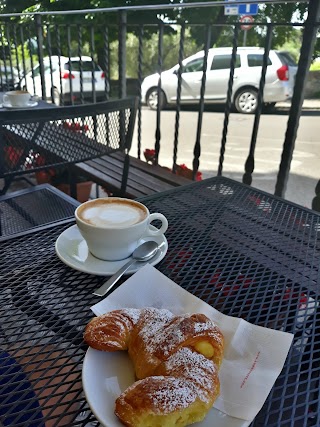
{"x": 231, "y": 10}
{"x": 248, "y": 9}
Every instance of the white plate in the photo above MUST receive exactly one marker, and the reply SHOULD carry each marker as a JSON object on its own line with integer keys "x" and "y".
{"x": 72, "y": 249}
{"x": 106, "y": 375}
{"x": 29, "y": 105}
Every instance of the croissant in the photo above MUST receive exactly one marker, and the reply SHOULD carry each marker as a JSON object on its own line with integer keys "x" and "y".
{"x": 176, "y": 360}
{"x": 111, "y": 331}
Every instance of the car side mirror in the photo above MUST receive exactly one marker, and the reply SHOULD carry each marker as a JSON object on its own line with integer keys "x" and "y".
{"x": 177, "y": 71}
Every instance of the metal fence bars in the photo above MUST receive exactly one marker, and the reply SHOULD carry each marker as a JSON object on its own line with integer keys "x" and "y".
{"x": 75, "y": 63}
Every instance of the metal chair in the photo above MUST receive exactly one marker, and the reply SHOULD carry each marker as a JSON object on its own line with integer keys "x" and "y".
{"x": 33, "y": 140}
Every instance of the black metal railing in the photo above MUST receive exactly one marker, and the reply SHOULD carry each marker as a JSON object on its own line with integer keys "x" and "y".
{"x": 27, "y": 39}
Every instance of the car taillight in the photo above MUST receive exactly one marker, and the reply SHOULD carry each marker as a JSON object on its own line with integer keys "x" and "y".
{"x": 67, "y": 75}
{"x": 103, "y": 75}
{"x": 283, "y": 73}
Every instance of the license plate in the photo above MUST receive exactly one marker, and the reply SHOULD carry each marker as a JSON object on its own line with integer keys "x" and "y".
{"x": 88, "y": 80}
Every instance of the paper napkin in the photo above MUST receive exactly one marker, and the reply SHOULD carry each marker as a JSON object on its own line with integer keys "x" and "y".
{"x": 254, "y": 356}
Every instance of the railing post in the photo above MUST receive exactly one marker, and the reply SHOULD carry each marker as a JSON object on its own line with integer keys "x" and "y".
{"x": 179, "y": 86}
{"x": 22, "y": 51}
{"x": 197, "y": 145}
{"x": 80, "y": 62}
{"x": 229, "y": 98}
{"x": 307, "y": 47}
{"x": 159, "y": 94}
{"x": 106, "y": 63}
{"x": 140, "y": 78}
{"x": 40, "y": 54}
{"x": 122, "y": 79}
{"x": 122, "y": 54}
{"x": 4, "y": 56}
{"x": 70, "y": 63}
{"x": 249, "y": 164}
{"x": 92, "y": 48}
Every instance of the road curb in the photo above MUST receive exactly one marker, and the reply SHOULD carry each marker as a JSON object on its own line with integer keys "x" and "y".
{"x": 308, "y": 104}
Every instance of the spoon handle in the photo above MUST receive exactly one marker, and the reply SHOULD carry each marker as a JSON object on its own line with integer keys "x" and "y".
{"x": 109, "y": 284}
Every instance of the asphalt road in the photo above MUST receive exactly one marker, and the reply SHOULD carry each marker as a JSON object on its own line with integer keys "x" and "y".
{"x": 305, "y": 171}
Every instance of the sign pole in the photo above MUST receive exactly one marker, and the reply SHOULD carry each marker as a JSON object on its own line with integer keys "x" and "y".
{"x": 245, "y": 32}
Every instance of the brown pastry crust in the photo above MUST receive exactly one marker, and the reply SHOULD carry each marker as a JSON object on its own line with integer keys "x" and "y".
{"x": 111, "y": 331}
{"x": 155, "y": 337}
{"x": 176, "y": 359}
{"x": 182, "y": 393}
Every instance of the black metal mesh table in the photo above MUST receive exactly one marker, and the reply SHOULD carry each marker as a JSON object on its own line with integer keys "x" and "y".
{"x": 243, "y": 251}
{"x": 31, "y": 208}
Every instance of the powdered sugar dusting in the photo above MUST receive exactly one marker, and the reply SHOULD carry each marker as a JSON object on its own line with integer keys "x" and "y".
{"x": 132, "y": 313}
{"x": 162, "y": 394}
{"x": 165, "y": 332}
{"x": 193, "y": 366}
{"x": 173, "y": 394}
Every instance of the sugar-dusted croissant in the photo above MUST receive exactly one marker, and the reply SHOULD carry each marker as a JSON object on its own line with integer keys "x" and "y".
{"x": 176, "y": 359}
{"x": 158, "y": 334}
{"x": 151, "y": 335}
{"x": 111, "y": 331}
{"x": 182, "y": 392}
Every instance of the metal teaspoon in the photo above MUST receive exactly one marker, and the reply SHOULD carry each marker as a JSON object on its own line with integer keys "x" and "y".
{"x": 142, "y": 253}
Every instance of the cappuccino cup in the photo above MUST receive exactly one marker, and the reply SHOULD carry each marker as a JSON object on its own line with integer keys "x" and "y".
{"x": 17, "y": 98}
{"x": 113, "y": 227}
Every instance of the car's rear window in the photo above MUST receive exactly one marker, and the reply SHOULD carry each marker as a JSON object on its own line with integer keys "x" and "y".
{"x": 86, "y": 66}
{"x": 256, "y": 60}
{"x": 286, "y": 58}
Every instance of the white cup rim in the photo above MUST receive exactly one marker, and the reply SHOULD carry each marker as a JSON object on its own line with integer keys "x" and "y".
{"x": 112, "y": 227}
{"x": 17, "y": 93}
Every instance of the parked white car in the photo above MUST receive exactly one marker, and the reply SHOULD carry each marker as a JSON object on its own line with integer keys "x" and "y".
{"x": 279, "y": 84}
{"x": 65, "y": 77}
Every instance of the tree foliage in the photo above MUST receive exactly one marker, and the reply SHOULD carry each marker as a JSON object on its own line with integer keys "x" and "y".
{"x": 196, "y": 18}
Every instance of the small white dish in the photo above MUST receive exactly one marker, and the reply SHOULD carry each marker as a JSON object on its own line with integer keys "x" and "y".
{"x": 72, "y": 249}
{"x": 30, "y": 104}
{"x": 106, "y": 375}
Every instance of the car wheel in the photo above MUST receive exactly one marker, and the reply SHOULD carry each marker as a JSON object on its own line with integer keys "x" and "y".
{"x": 152, "y": 99}
{"x": 247, "y": 101}
{"x": 56, "y": 96}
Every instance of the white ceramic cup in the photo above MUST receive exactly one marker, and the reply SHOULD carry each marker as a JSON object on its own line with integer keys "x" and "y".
{"x": 112, "y": 227}
{"x": 17, "y": 98}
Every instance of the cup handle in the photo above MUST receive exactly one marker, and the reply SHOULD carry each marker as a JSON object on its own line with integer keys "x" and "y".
{"x": 160, "y": 230}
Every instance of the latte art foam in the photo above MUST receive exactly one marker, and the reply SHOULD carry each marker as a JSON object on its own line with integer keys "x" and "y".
{"x": 113, "y": 214}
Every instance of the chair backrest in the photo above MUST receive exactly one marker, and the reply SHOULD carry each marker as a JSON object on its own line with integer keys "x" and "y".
{"x": 36, "y": 139}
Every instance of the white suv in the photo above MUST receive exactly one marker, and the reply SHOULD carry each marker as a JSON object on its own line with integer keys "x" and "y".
{"x": 69, "y": 70}
{"x": 279, "y": 83}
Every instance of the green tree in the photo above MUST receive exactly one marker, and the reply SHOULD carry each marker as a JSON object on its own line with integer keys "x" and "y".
{"x": 150, "y": 53}
{"x": 221, "y": 34}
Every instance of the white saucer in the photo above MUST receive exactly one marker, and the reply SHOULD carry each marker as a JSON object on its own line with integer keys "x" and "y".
{"x": 72, "y": 249}
{"x": 29, "y": 105}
